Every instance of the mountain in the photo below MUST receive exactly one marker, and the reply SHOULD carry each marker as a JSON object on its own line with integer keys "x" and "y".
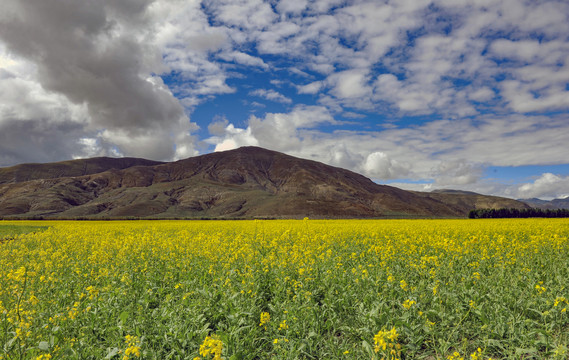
{"x": 547, "y": 204}
{"x": 27, "y": 172}
{"x": 243, "y": 183}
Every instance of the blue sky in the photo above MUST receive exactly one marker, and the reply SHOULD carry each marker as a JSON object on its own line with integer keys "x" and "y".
{"x": 422, "y": 95}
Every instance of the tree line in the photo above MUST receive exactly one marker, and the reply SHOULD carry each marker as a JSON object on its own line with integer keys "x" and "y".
{"x": 517, "y": 213}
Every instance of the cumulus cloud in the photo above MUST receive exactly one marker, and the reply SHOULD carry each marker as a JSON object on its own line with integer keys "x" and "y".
{"x": 380, "y": 166}
{"x": 350, "y": 83}
{"x": 547, "y": 186}
{"x": 99, "y": 55}
{"x": 277, "y": 131}
{"x": 234, "y": 138}
{"x": 35, "y": 125}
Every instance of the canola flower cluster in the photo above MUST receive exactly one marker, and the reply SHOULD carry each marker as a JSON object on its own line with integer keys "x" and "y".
{"x": 357, "y": 289}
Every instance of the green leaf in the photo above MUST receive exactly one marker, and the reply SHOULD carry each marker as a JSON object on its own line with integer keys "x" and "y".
{"x": 112, "y": 352}
{"x": 368, "y": 349}
{"x": 43, "y": 345}
{"x": 123, "y": 316}
{"x": 522, "y": 351}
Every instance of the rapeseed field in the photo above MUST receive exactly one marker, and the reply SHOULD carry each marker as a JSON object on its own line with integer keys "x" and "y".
{"x": 308, "y": 289}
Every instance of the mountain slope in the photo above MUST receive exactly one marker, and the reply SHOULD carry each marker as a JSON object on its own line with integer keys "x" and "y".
{"x": 247, "y": 182}
{"x": 547, "y": 204}
{"x": 464, "y": 201}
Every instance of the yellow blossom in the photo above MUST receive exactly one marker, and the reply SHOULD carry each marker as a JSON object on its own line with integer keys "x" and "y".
{"x": 212, "y": 345}
{"x": 408, "y": 303}
{"x": 265, "y": 318}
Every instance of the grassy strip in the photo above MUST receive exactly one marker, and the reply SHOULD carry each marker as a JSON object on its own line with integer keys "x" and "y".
{"x": 9, "y": 232}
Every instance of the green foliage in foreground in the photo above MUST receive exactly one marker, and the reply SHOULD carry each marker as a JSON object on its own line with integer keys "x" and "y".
{"x": 9, "y": 231}
{"x": 423, "y": 289}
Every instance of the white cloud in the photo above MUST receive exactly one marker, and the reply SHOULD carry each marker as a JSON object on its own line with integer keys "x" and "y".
{"x": 482, "y": 94}
{"x": 350, "y": 83}
{"x": 271, "y": 95}
{"x": 234, "y": 138}
{"x": 292, "y": 6}
{"x": 277, "y": 131}
{"x": 525, "y": 50}
{"x": 312, "y": 88}
{"x": 244, "y": 59}
{"x": 547, "y": 186}
{"x": 457, "y": 172}
{"x": 380, "y": 166}
{"x": 245, "y": 14}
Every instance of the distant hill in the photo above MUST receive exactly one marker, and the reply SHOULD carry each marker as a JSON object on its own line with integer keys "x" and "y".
{"x": 547, "y": 204}
{"x": 464, "y": 201}
{"x": 243, "y": 183}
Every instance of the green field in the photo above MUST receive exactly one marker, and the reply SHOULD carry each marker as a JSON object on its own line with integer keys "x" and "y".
{"x": 10, "y": 231}
{"x": 312, "y": 289}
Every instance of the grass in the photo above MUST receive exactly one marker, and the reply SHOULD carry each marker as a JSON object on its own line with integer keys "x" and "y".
{"x": 10, "y": 231}
{"x": 312, "y": 289}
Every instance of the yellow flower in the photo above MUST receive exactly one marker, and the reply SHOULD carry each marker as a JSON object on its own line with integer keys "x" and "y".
{"x": 558, "y": 300}
{"x": 133, "y": 347}
{"x": 477, "y": 355}
{"x": 43, "y": 357}
{"x": 283, "y": 325}
{"x": 387, "y": 339}
{"x": 212, "y": 345}
{"x": 265, "y": 318}
{"x": 455, "y": 356}
{"x": 408, "y": 303}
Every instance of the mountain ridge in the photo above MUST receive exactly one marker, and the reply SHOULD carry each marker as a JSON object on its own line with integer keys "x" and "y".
{"x": 562, "y": 203}
{"x": 68, "y": 168}
{"x": 242, "y": 183}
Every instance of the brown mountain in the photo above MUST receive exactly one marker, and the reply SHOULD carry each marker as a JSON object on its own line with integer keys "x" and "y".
{"x": 547, "y": 204}
{"x": 27, "y": 172}
{"x": 247, "y": 182}
{"x": 467, "y": 200}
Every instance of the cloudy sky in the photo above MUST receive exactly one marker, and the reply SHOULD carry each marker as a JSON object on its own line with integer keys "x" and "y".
{"x": 461, "y": 94}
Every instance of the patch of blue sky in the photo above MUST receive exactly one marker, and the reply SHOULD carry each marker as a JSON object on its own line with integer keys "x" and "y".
{"x": 522, "y": 174}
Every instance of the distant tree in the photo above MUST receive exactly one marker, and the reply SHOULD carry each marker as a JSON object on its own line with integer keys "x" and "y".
{"x": 517, "y": 213}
